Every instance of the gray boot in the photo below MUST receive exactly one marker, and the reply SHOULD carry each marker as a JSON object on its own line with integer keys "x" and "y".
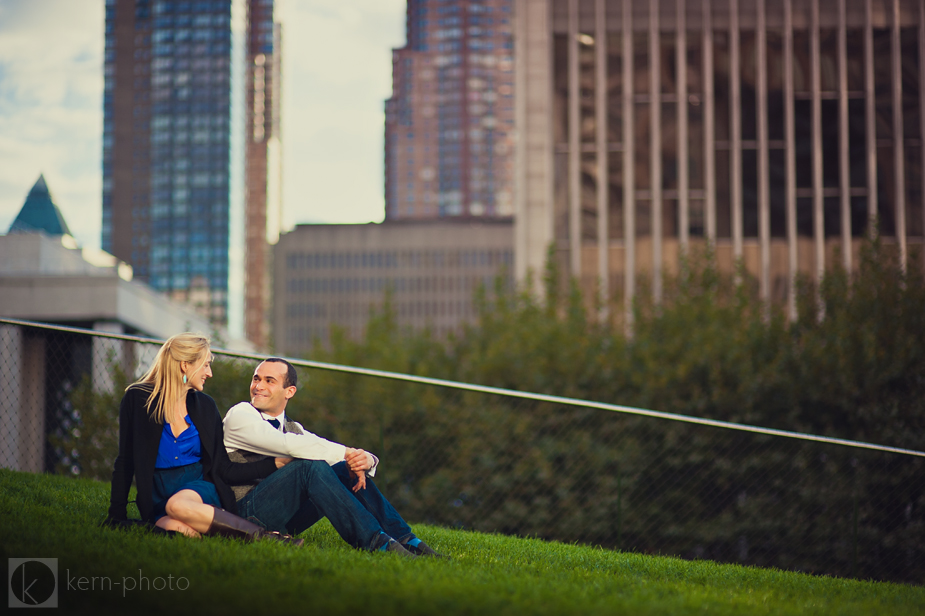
{"x": 227, "y": 524}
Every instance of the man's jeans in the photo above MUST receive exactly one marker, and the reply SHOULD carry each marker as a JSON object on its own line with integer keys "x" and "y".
{"x": 304, "y": 491}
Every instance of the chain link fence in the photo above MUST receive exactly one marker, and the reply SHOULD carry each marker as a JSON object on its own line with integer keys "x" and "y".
{"x": 488, "y": 460}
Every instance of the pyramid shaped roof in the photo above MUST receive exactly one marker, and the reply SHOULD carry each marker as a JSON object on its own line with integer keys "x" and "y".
{"x": 39, "y": 213}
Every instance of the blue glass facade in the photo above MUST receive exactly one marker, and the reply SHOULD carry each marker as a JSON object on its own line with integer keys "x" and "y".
{"x": 166, "y": 145}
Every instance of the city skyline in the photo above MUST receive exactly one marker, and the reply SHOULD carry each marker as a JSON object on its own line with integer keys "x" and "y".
{"x": 338, "y": 76}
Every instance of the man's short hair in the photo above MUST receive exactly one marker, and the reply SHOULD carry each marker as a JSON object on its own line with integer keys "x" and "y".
{"x": 292, "y": 378}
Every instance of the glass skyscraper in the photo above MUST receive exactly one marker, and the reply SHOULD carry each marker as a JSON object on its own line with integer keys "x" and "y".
{"x": 167, "y": 145}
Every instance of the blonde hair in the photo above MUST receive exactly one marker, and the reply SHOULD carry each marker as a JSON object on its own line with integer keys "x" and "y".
{"x": 166, "y": 375}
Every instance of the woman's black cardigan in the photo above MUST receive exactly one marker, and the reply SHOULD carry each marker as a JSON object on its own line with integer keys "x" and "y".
{"x": 139, "y": 439}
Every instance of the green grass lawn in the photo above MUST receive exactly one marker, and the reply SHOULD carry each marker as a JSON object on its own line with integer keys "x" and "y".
{"x": 46, "y": 516}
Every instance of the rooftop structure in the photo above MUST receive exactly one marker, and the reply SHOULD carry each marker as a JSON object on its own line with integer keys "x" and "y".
{"x": 39, "y": 213}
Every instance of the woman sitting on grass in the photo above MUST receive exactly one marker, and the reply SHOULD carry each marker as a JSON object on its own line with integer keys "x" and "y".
{"x": 171, "y": 442}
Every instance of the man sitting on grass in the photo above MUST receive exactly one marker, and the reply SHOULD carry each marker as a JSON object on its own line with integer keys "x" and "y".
{"x": 326, "y": 479}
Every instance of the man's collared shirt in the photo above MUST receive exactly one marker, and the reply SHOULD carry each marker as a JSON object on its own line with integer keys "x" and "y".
{"x": 281, "y": 419}
{"x": 247, "y": 428}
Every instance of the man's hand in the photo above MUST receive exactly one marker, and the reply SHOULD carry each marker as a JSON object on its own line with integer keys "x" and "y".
{"x": 361, "y": 480}
{"x": 281, "y": 462}
{"x": 357, "y": 460}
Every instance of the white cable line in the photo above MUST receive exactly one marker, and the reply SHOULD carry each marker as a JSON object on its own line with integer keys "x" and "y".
{"x": 511, "y": 393}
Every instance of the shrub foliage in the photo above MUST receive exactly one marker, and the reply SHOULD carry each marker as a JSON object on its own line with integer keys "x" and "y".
{"x": 851, "y": 366}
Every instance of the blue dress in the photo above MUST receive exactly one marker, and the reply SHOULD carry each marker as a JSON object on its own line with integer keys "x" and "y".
{"x": 179, "y": 467}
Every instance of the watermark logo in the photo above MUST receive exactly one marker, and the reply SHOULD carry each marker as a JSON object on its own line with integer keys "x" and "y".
{"x": 127, "y": 584}
{"x": 33, "y": 582}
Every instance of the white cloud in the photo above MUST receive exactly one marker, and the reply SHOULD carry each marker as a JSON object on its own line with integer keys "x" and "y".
{"x": 51, "y": 108}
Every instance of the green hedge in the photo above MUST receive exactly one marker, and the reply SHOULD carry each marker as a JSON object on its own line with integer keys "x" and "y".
{"x": 851, "y": 366}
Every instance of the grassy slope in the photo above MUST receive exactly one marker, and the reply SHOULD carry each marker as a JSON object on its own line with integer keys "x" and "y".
{"x": 55, "y": 517}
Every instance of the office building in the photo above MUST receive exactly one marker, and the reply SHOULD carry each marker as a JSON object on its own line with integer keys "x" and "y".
{"x": 775, "y": 129}
{"x": 329, "y": 276}
{"x": 449, "y": 124}
{"x": 174, "y": 133}
{"x": 263, "y": 171}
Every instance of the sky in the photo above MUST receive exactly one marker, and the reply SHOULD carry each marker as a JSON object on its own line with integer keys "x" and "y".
{"x": 337, "y": 74}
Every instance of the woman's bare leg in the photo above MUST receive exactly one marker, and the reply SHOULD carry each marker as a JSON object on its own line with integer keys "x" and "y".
{"x": 168, "y": 523}
{"x": 186, "y": 508}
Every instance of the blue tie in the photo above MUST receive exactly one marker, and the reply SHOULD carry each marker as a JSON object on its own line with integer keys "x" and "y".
{"x": 274, "y": 423}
